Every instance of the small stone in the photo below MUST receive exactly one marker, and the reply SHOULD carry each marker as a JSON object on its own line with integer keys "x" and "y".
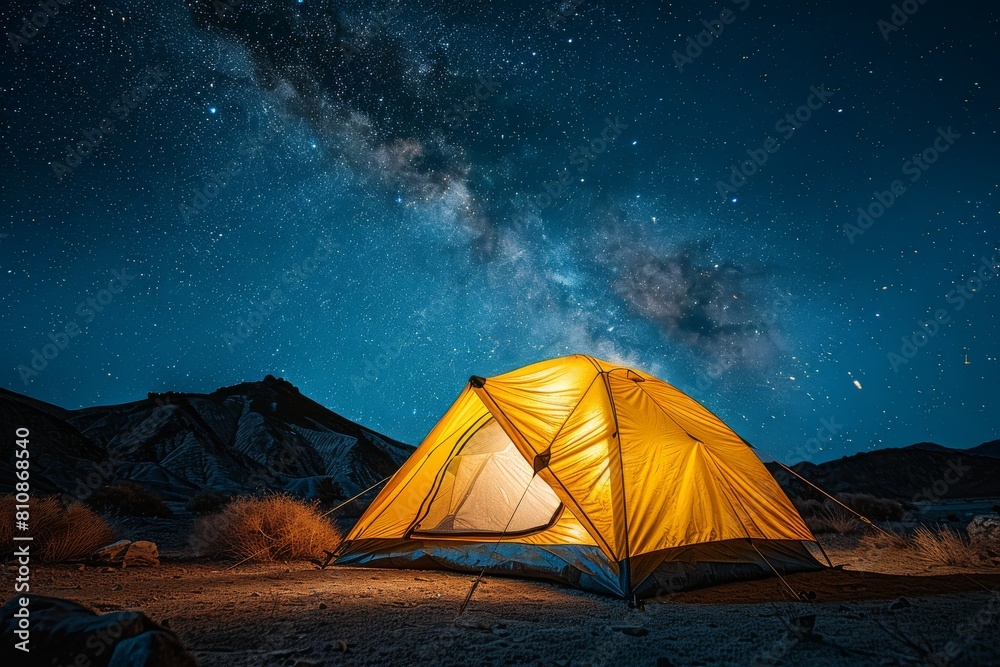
{"x": 116, "y": 587}
{"x": 322, "y": 605}
{"x": 899, "y": 603}
{"x": 630, "y": 630}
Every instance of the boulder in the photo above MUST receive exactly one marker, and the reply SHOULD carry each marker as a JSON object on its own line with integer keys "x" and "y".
{"x": 66, "y": 633}
{"x": 985, "y": 528}
{"x": 124, "y": 553}
{"x": 142, "y": 553}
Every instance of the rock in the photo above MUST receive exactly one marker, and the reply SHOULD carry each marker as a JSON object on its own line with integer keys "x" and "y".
{"x": 322, "y": 605}
{"x": 124, "y": 553}
{"x": 986, "y": 528}
{"x": 899, "y": 603}
{"x": 111, "y": 554}
{"x": 116, "y": 587}
{"x": 61, "y": 631}
{"x": 142, "y": 553}
{"x": 630, "y": 630}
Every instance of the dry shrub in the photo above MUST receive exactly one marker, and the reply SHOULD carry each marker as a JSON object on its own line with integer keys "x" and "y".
{"x": 266, "y": 529}
{"x": 128, "y": 498}
{"x": 883, "y": 539}
{"x": 945, "y": 547}
{"x": 61, "y": 532}
{"x": 876, "y": 509}
{"x": 831, "y": 518}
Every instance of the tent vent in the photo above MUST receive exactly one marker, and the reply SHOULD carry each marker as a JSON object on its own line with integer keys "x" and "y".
{"x": 477, "y": 381}
{"x": 542, "y": 460}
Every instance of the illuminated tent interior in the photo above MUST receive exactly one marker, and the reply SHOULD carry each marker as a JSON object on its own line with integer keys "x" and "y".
{"x": 588, "y": 473}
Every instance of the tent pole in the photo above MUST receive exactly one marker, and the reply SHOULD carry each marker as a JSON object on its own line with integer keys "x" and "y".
{"x": 330, "y": 555}
{"x": 855, "y": 513}
{"x": 381, "y": 481}
{"x": 475, "y": 584}
{"x": 795, "y": 596}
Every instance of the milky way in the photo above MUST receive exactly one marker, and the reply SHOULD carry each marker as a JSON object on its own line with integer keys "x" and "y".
{"x": 377, "y": 200}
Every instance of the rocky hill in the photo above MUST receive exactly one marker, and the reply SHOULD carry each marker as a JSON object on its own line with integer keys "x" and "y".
{"x": 252, "y": 437}
{"x": 919, "y": 473}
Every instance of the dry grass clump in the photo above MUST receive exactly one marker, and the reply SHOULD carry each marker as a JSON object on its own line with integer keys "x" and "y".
{"x": 883, "y": 539}
{"x": 833, "y": 519}
{"x": 61, "y": 532}
{"x": 936, "y": 547}
{"x": 266, "y": 529}
{"x": 128, "y": 498}
{"x": 946, "y": 547}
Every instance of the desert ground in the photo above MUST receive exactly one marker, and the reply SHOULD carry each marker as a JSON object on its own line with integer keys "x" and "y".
{"x": 296, "y": 614}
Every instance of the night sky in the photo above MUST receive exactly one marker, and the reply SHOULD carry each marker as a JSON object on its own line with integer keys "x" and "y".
{"x": 378, "y": 200}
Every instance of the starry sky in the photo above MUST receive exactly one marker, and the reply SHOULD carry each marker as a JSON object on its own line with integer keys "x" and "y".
{"x": 376, "y": 200}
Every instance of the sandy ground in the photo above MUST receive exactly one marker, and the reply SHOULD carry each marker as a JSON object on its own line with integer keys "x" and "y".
{"x": 296, "y": 614}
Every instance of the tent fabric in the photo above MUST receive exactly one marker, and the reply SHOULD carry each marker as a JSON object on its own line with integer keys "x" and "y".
{"x": 580, "y": 452}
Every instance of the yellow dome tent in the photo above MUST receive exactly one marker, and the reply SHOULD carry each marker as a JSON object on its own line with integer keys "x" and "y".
{"x": 588, "y": 473}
